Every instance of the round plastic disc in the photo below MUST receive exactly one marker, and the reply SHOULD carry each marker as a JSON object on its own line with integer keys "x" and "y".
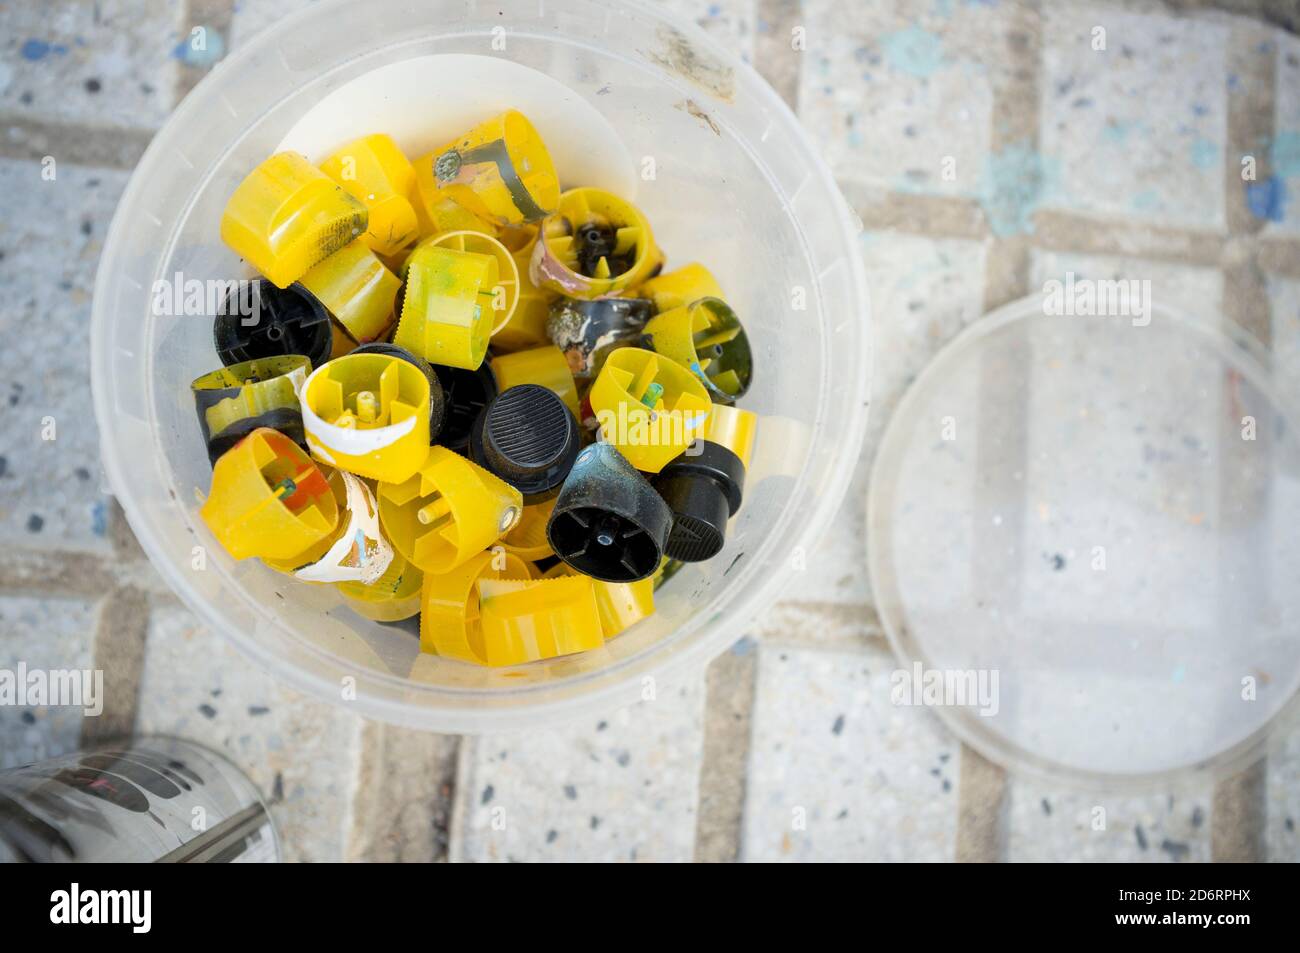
{"x": 1083, "y": 544}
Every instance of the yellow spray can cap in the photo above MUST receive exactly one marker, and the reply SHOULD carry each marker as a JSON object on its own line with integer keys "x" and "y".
{"x": 435, "y": 210}
{"x": 649, "y": 407}
{"x": 706, "y": 338}
{"x": 621, "y": 604}
{"x": 374, "y": 171}
{"x": 624, "y": 604}
{"x": 368, "y": 413}
{"x": 287, "y": 215}
{"x": 317, "y": 550}
{"x": 268, "y": 499}
{"x": 500, "y": 170}
{"x": 733, "y": 428}
{"x": 447, "y": 311}
{"x": 505, "y": 293}
{"x": 681, "y": 286}
{"x": 357, "y": 289}
{"x": 595, "y": 244}
{"x": 449, "y": 605}
{"x": 534, "y": 619}
{"x": 391, "y": 598}
{"x": 448, "y": 511}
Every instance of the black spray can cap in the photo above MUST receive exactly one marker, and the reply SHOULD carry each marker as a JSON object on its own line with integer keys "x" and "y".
{"x": 284, "y": 321}
{"x": 608, "y": 521}
{"x": 528, "y": 438}
{"x": 703, "y": 488}
{"x": 465, "y": 394}
{"x": 586, "y": 331}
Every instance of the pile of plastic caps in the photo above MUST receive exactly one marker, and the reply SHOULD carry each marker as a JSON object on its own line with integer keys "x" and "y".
{"x": 466, "y": 395}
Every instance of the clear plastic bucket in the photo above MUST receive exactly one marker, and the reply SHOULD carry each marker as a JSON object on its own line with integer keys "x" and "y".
{"x": 726, "y": 176}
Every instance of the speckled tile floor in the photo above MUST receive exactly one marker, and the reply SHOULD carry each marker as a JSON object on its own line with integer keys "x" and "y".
{"x": 985, "y": 146}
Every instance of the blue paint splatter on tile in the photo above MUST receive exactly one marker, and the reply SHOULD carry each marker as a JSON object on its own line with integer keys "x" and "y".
{"x": 1205, "y": 153}
{"x": 1015, "y": 182}
{"x": 1286, "y": 154}
{"x": 913, "y": 51}
{"x": 99, "y": 518}
{"x": 745, "y": 646}
{"x": 1145, "y": 201}
{"x": 912, "y": 182}
{"x": 1267, "y": 200}
{"x": 34, "y": 49}
{"x": 1118, "y": 131}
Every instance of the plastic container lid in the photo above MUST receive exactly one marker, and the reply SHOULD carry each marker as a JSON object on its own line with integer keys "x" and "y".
{"x": 1096, "y": 518}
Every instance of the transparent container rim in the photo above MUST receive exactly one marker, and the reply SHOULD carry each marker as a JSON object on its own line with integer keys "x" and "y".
{"x": 439, "y": 707}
